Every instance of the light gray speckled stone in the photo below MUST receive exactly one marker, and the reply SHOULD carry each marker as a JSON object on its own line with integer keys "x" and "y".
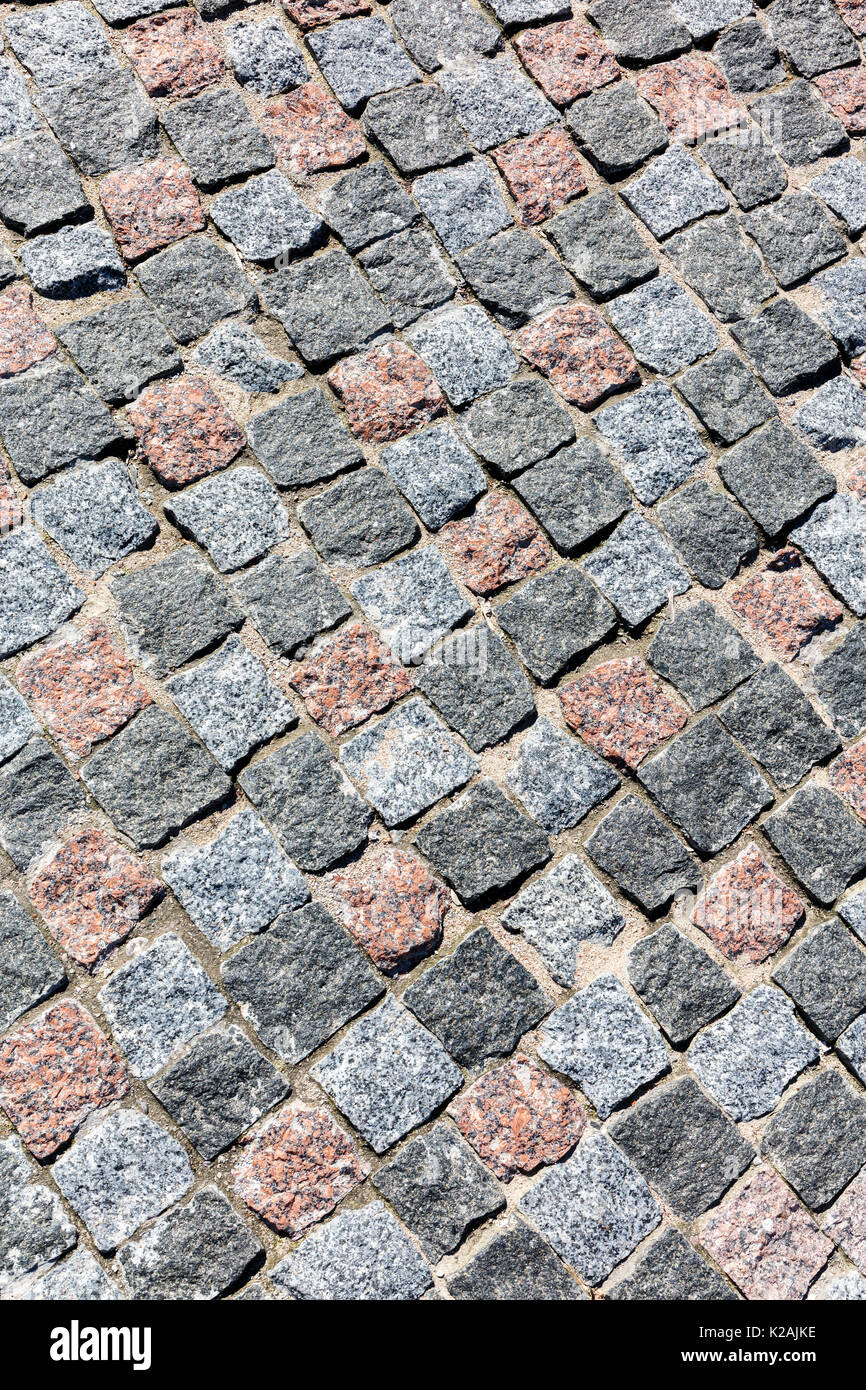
{"x": 265, "y": 218}
{"x": 16, "y": 114}
{"x": 17, "y": 724}
{"x": 234, "y": 352}
{"x": 664, "y": 329}
{"x": 833, "y": 539}
{"x": 436, "y": 473}
{"x": 359, "y": 1255}
{"x": 438, "y": 31}
{"x": 359, "y": 58}
{"x": 525, "y": 11}
{"x": 407, "y": 762}
{"x": 79, "y": 1279}
{"x": 231, "y": 703}
{"x": 558, "y": 780}
{"x": 604, "y": 1042}
{"x": 704, "y": 17}
{"x": 237, "y": 884}
{"x": 496, "y": 102}
{"x": 843, "y": 189}
{"x": 157, "y": 1002}
{"x": 34, "y": 1228}
{"x": 842, "y": 301}
{"x": 36, "y": 596}
{"x": 850, "y": 1286}
{"x": 74, "y": 262}
{"x": 594, "y": 1209}
{"x": 673, "y": 192}
{"x": 59, "y": 43}
{"x": 748, "y": 1058}
{"x": 465, "y": 353}
{"x": 654, "y": 440}
{"x": 854, "y": 913}
{"x": 835, "y": 417}
{"x": 388, "y": 1075}
{"x": 264, "y": 57}
{"x": 122, "y": 1173}
{"x": 413, "y": 601}
{"x": 236, "y": 516}
{"x": 463, "y": 204}
{"x": 95, "y": 516}
{"x": 561, "y": 911}
{"x": 636, "y": 569}
{"x": 851, "y": 1046}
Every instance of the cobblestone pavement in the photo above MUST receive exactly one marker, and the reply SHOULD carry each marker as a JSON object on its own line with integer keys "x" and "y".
{"x": 432, "y": 683}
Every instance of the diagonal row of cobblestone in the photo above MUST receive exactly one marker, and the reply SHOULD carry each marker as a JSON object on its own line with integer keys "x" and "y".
{"x": 432, "y": 675}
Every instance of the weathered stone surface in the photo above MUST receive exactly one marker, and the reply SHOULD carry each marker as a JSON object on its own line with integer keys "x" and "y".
{"x": 479, "y": 1001}
{"x": 684, "y": 1145}
{"x": 749, "y": 58}
{"x": 701, "y": 654}
{"x": 158, "y": 1002}
{"x": 302, "y": 440}
{"x": 811, "y": 35}
{"x": 747, "y": 166}
{"x": 648, "y": 861}
{"x": 594, "y": 1209}
{"x": 637, "y": 569}
{"x": 174, "y": 610}
{"x": 266, "y": 219}
{"x": 816, "y": 1139}
{"x": 558, "y": 781}
{"x": 712, "y": 535}
{"x": 691, "y": 96}
{"x": 237, "y": 884}
{"x": 55, "y": 1072}
{"x": 673, "y": 192}
{"x": 516, "y": 1265}
{"x": 681, "y": 985}
{"x": 554, "y": 619}
{"x": 264, "y": 58}
{"x": 542, "y": 173}
{"x": 616, "y": 129}
{"x": 497, "y": 545}
{"x": 653, "y": 440}
{"x": 577, "y": 350}
{"x": 311, "y": 805}
{"x": 518, "y": 1118}
{"x": 438, "y": 1187}
{"x": 482, "y": 844}
{"x": 665, "y": 330}
{"x": 838, "y": 681}
{"x": 822, "y": 844}
{"x": 236, "y": 517}
{"x": 825, "y": 975}
{"x": 413, "y": 601}
{"x": 300, "y": 981}
{"x": 392, "y": 907}
{"x": 153, "y": 778}
{"x": 36, "y": 595}
{"x": 50, "y": 419}
{"x": 785, "y": 607}
{"x": 765, "y": 1241}
{"x": 95, "y": 515}
{"x": 495, "y": 102}
{"x": 515, "y": 276}
{"x": 38, "y": 798}
{"x": 196, "y": 1251}
{"x": 230, "y": 702}
{"x": 407, "y": 762}
{"x": 604, "y": 1042}
{"x": 843, "y": 189}
{"x": 121, "y": 349}
{"x": 798, "y": 124}
{"x": 436, "y": 30}
{"x": 561, "y": 912}
{"x": 672, "y": 1270}
{"x": 775, "y": 477}
{"x": 641, "y": 33}
{"x": 122, "y": 1173}
{"x": 417, "y": 128}
{"x": 750, "y": 1056}
{"x": 104, "y": 120}
{"x": 235, "y": 353}
{"x": 38, "y": 186}
{"x": 618, "y": 711}
{"x": 310, "y": 131}
{"x": 30, "y": 971}
{"x": 360, "y": 58}
{"x": 775, "y": 722}
{"x": 216, "y": 136}
{"x": 297, "y": 1168}
{"x": 184, "y": 430}
{"x": 326, "y": 306}
{"x": 388, "y": 1075}
{"x": 477, "y": 686}
{"x": 359, "y": 1256}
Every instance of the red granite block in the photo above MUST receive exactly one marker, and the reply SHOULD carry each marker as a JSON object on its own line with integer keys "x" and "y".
{"x": 173, "y": 53}
{"x": 854, "y": 14}
{"x": 692, "y": 97}
{"x": 765, "y": 1241}
{"x": 746, "y": 909}
{"x": 848, "y": 778}
{"x": 580, "y": 353}
{"x": 310, "y": 14}
{"x": 619, "y": 712}
{"x": 11, "y": 510}
{"x": 567, "y": 60}
{"x": 297, "y": 1168}
{"x": 349, "y": 679}
{"x": 844, "y": 91}
{"x": 785, "y": 607}
{"x": 517, "y": 1118}
{"x": 498, "y": 544}
{"x": 846, "y": 1220}
{"x": 92, "y": 894}
{"x": 310, "y": 131}
{"x": 392, "y": 906}
{"x": 151, "y": 205}
{"x": 542, "y": 173}
{"x": 387, "y": 391}
{"x": 84, "y": 689}
{"x": 24, "y": 338}
{"x": 184, "y": 430}
{"x": 54, "y": 1073}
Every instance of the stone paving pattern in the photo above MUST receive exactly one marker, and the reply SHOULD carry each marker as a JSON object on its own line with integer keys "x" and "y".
{"x": 432, "y": 660}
